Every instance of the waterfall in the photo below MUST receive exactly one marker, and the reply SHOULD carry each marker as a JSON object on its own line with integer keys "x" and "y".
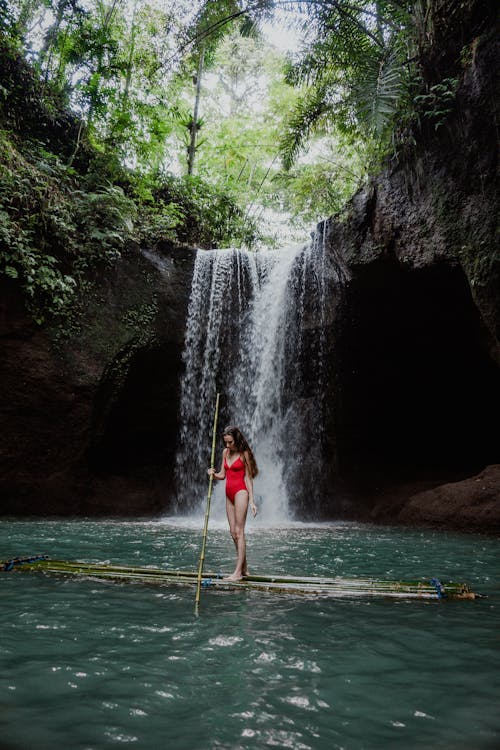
{"x": 255, "y": 333}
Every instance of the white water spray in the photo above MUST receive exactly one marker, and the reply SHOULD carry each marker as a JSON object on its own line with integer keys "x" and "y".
{"x": 248, "y": 335}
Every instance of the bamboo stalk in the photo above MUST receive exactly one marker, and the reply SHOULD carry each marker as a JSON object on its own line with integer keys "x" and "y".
{"x": 75, "y": 566}
{"x": 207, "y": 509}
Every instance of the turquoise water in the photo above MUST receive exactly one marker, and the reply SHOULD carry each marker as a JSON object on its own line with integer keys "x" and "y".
{"x": 91, "y": 666}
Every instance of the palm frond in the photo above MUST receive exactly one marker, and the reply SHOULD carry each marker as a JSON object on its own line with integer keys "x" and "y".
{"x": 308, "y": 113}
{"x": 377, "y": 92}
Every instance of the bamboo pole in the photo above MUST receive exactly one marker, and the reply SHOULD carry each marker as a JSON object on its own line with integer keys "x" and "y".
{"x": 207, "y": 509}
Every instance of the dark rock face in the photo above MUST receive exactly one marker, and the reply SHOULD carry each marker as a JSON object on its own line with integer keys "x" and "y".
{"x": 90, "y": 417}
{"x": 416, "y": 350}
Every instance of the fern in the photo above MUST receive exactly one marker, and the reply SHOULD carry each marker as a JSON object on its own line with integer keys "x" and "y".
{"x": 377, "y": 92}
{"x": 355, "y": 69}
{"x": 310, "y": 110}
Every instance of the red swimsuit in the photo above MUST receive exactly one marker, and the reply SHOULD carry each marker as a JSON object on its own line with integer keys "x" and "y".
{"x": 235, "y": 477}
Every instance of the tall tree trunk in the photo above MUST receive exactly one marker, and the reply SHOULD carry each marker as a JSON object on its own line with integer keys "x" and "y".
{"x": 51, "y": 40}
{"x": 108, "y": 15}
{"x": 130, "y": 61}
{"x": 380, "y": 31}
{"x": 122, "y": 106}
{"x": 194, "y": 121}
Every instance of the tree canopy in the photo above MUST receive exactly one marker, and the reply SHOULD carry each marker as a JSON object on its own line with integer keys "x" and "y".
{"x": 190, "y": 113}
{"x": 130, "y": 69}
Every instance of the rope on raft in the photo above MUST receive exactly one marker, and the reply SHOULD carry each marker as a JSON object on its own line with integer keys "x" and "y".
{"x": 439, "y": 588}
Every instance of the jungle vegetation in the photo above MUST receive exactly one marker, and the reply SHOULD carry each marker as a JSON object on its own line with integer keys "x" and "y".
{"x": 128, "y": 122}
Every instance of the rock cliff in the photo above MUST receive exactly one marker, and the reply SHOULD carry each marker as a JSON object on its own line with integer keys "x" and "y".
{"x": 89, "y": 412}
{"x": 416, "y": 352}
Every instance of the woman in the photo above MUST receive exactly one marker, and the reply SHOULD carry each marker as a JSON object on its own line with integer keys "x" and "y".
{"x": 238, "y": 469}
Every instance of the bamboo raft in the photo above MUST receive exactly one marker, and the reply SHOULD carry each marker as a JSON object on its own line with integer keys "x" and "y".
{"x": 431, "y": 589}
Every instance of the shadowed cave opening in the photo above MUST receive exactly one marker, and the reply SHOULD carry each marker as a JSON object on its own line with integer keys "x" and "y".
{"x": 135, "y": 414}
{"x": 419, "y": 396}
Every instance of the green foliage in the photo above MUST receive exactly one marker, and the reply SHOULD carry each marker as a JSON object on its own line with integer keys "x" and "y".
{"x": 67, "y": 203}
{"x": 439, "y": 102}
{"x": 353, "y": 74}
{"x": 104, "y": 179}
{"x": 105, "y": 220}
{"x": 141, "y": 317}
{"x": 50, "y": 231}
{"x": 314, "y": 190}
{"x": 242, "y": 104}
{"x": 213, "y": 22}
{"x": 245, "y": 106}
{"x": 53, "y": 231}
{"x": 117, "y": 63}
{"x": 210, "y": 218}
{"x": 46, "y": 288}
{"x": 5, "y": 18}
{"x": 160, "y": 222}
{"x": 378, "y": 90}
{"x": 311, "y": 110}
{"x": 108, "y": 61}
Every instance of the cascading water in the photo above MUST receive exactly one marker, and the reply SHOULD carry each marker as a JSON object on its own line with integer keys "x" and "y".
{"x": 255, "y": 333}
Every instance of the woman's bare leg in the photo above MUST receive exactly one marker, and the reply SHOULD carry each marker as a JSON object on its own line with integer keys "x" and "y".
{"x": 237, "y": 515}
{"x": 231, "y": 517}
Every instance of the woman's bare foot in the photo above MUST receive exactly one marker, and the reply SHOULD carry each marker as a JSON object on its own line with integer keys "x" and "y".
{"x": 233, "y": 577}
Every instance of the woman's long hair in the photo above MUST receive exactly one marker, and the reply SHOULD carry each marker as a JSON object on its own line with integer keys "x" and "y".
{"x": 242, "y": 446}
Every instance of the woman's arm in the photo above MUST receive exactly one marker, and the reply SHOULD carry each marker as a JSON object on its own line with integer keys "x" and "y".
{"x": 222, "y": 473}
{"x": 249, "y": 483}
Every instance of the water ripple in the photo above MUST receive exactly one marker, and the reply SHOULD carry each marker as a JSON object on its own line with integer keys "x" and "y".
{"x": 132, "y": 665}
